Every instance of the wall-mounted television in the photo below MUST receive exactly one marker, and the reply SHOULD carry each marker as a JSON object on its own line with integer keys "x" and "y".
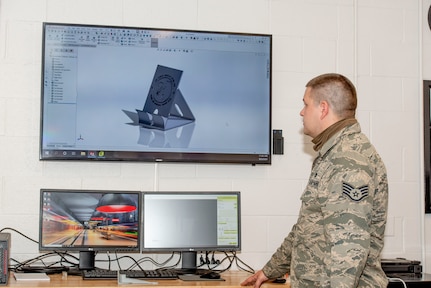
{"x": 427, "y": 143}
{"x": 144, "y": 94}
{"x": 87, "y": 221}
{"x": 191, "y": 222}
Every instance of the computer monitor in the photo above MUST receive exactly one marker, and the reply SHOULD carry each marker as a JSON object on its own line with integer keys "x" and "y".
{"x": 87, "y": 221}
{"x": 166, "y": 94}
{"x": 191, "y": 222}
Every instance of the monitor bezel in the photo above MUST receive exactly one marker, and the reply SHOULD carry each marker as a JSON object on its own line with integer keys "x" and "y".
{"x": 427, "y": 143}
{"x": 89, "y": 248}
{"x": 159, "y": 156}
{"x": 209, "y": 248}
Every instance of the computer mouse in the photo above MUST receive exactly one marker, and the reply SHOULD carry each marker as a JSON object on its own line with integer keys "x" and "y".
{"x": 279, "y": 280}
{"x": 211, "y": 275}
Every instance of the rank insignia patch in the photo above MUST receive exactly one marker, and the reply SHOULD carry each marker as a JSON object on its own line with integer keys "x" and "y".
{"x": 356, "y": 194}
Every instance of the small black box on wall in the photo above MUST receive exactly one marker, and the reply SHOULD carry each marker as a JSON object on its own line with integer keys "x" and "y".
{"x": 277, "y": 142}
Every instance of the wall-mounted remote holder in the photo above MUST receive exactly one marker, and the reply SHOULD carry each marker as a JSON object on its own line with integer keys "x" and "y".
{"x": 277, "y": 142}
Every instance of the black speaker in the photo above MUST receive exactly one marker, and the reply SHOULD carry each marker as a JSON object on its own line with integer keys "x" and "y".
{"x": 4, "y": 257}
{"x": 277, "y": 142}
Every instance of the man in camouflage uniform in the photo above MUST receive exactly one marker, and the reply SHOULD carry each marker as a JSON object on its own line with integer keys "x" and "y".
{"x": 338, "y": 237}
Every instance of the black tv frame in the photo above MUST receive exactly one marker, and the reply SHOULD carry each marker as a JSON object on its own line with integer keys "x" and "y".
{"x": 160, "y": 156}
{"x": 427, "y": 143}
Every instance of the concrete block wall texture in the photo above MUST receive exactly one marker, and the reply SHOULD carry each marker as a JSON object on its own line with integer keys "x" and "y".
{"x": 382, "y": 46}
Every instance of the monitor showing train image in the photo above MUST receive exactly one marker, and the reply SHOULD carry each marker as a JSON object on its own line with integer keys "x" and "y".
{"x": 89, "y": 220}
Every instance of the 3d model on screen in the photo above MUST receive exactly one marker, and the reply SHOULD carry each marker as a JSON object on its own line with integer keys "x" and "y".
{"x": 165, "y": 107}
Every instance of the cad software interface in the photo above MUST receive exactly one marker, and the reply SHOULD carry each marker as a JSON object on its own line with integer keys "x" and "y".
{"x": 95, "y": 79}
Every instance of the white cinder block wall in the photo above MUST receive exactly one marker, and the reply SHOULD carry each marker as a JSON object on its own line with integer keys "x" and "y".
{"x": 383, "y": 46}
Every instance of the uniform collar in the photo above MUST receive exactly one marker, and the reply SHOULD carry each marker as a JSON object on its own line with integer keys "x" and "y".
{"x": 347, "y": 130}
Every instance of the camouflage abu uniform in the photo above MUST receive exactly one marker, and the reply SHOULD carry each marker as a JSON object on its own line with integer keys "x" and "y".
{"x": 338, "y": 237}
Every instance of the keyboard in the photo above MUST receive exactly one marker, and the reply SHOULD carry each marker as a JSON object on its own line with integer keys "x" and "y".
{"x": 151, "y": 274}
{"x": 141, "y": 274}
{"x": 99, "y": 274}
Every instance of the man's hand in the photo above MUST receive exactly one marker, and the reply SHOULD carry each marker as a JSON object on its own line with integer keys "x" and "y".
{"x": 256, "y": 279}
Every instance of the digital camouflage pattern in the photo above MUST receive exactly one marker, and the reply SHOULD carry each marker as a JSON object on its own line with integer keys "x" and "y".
{"x": 338, "y": 237}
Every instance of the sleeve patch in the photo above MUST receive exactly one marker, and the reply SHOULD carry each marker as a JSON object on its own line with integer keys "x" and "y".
{"x": 355, "y": 193}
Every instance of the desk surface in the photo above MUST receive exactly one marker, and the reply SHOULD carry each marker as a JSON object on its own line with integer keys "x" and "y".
{"x": 424, "y": 281}
{"x": 232, "y": 280}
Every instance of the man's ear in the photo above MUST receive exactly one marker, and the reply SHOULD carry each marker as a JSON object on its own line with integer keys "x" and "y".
{"x": 324, "y": 109}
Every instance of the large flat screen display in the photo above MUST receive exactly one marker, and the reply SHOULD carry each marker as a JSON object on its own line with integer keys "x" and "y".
{"x": 143, "y": 94}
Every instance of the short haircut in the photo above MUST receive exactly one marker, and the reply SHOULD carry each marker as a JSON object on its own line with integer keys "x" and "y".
{"x": 337, "y": 90}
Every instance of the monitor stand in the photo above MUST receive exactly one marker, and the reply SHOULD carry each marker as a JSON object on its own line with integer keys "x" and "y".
{"x": 87, "y": 260}
{"x": 189, "y": 261}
